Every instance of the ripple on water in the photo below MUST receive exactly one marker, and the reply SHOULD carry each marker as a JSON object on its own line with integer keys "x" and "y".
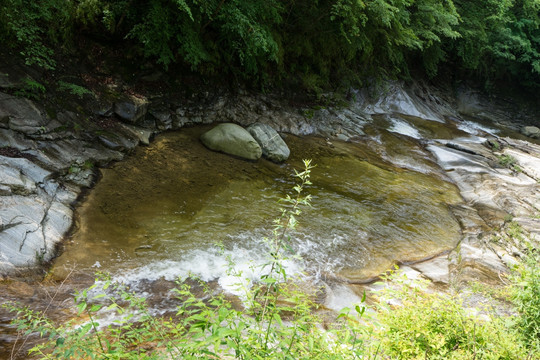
{"x": 160, "y": 213}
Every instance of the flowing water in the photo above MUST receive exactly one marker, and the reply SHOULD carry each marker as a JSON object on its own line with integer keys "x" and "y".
{"x": 175, "y": 208}
{"x": 161, "y": 213}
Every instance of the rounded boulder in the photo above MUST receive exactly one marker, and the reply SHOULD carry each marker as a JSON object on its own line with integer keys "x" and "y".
{"x": 232, "y": 139}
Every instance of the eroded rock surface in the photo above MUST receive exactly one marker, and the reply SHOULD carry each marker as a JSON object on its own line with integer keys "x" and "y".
{"x": 44, "y": 163}
{"x": 272, "y": 145}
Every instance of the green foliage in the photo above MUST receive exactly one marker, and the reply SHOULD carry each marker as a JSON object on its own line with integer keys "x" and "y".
{"x": 501, "y": 39}
{"x": 315, "y": 44}
{"x": 74, "y": 89}
{"x": 208, "y": 36}
{"x": 35, "y": 27}
{"x": 435, "y": 326}
{"x": 31, "y": 89}
{"x": 509, "y": 162}
{"x": 526, "y": 296}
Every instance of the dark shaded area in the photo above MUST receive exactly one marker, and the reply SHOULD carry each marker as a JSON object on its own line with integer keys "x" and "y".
{"x": 316, "y": 46}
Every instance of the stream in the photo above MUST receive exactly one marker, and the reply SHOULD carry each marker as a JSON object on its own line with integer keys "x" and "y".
{"x": 161, "y": 213}
{"x": 175, "y": 208}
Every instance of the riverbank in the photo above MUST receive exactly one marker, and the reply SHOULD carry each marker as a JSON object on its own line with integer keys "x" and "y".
{"x": 52, "y": 149}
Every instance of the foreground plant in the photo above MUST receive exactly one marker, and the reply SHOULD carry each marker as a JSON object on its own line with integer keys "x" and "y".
{"x": 437, "y": 326}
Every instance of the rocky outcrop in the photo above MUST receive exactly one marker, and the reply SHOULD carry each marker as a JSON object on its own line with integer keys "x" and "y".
{"x": 531, "y": 131}
{"x": 272, "y": 145}
{"x": 131, "y": 108}
{"x": 45, "y": 161}
{"x": 232, "y": 139}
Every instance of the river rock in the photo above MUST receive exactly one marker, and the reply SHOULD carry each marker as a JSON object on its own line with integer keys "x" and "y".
{"x": 531, "y": 131}
{"x": 232, "y": 139}
{"x": 132, "y": 109}
{"x": 272, "y": 145}
{"x": 20, "y": 114}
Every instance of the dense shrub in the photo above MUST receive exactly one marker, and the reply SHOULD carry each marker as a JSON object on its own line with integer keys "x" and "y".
{"x": 527, "y": 298}
{"x": 437, "y": 326}
{"x": 313, "y": 43}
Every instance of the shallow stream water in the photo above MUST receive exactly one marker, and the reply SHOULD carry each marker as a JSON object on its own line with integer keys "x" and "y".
{"x": 161, "y": 213}
{"x": 175, "y": 208}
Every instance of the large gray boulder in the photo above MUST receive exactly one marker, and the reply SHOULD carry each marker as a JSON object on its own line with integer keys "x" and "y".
{"x": 273, "y": 146}
{"x": 232, "y": 139}
{"x": 531, "y": 131}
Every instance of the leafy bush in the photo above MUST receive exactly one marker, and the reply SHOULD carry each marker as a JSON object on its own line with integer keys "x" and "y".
{"x": 74, "y": 89}
{"x": 35, "y": 27}
{"x": 315, "y": 44}
{"x": 31, "y": 89}
{"x": 526, "y": 297}
{"x": 436, "y": 326}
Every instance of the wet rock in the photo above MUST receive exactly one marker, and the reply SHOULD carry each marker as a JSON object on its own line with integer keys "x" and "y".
{"x": 125, "y": 137}
{"x": 13, "y": 139}
{"x": 342, "y": 123}
{"x": 531, "y": 131}
{"x": 142, "y": 135}
{"x": 472, "y": 148}
{"x": 469, "y": 220}
{"x": 479, "y": 264}
{"x": 80, "y": 176}
{"x": 163, "y": 118}
{"x": 101, "y": 107}
{"x": 396, "y": 98}
{"x": 530, "y": 225}
{"x": 21, "y": 241}
{"x": 472, "y": 103}
{"x": 272, "y": 145}
{"x": 494, "y": 193}
{"x": 132, "y": 109}
{"x": 26, "y": 168}
{"x": 31, "y": 226}
{"x": 528, "y": 163}
{"x": 232, "y": 139}
{"x": 55, "y": 225}
{"x": 17, "y": 182}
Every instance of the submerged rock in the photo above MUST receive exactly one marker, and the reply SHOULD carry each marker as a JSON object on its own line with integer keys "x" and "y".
{"x": 232, "y": 139}
{"x": 273, "y": 146}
